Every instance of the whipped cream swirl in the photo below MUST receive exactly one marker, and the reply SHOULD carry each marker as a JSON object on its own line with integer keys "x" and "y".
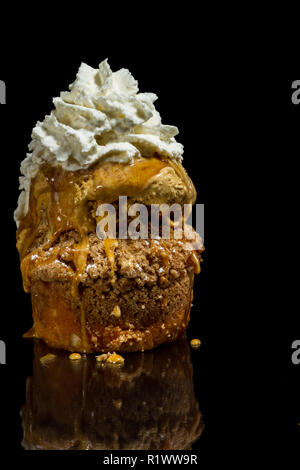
{"x": 102, "y": 117}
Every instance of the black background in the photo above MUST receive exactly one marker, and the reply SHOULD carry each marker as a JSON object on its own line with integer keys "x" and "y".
{"x": 239, "y": 129}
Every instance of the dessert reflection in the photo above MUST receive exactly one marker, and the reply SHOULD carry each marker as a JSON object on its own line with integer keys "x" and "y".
{"x": 149, "y": 403}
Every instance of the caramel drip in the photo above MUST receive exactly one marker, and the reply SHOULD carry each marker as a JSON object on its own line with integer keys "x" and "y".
{"x": 194, "y": 259}
{"x": 36, "y": 258}
{"x": 109, "y": 246}
{"x": 80, "y": 259}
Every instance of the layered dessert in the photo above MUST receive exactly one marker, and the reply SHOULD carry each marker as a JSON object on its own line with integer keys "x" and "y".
{"x": 104, "y": 140}
{"x": 148, "y": 404}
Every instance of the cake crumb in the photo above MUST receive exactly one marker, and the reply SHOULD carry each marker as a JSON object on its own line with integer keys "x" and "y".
{"x": 111, "y": 359}
{"x": 75, "y": 357}
{"x": 115, "y": 359}
{"x": 102, "y": 357}
{"x": 195, "y": 343}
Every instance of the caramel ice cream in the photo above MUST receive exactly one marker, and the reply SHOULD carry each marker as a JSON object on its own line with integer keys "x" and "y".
{"x": 103, "y": 140}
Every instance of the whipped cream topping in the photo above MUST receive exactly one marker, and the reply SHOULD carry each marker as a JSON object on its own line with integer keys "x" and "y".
{"x": 102, "y": 117}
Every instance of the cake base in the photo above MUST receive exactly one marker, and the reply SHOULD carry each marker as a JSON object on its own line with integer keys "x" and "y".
{"x": 148, "y": 317}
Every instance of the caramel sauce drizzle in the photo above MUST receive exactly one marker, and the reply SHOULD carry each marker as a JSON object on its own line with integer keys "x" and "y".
{"x": 195, "y": 261}
{"x": 109, "y": 246}
{"x": 80, "y": 258}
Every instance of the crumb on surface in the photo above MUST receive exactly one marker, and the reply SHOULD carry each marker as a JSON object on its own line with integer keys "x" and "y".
{"x": 111, "y": 359}
{"x": 75, "y": 357}
{"x": 195, "y": 343}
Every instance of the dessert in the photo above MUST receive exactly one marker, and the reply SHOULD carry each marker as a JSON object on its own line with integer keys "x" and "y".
{"x": 103, "y": 141}
{"x": 149, "y": 403}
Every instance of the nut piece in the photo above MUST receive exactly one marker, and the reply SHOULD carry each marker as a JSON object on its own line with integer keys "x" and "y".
{"x": 111, "y": 359}
{"x": 195, "y": 343}
{"x": 115, "y": 359}
{"x": 174, "y": 273}
{"x": 75, "y": 357}
{"x": 102, "y": 358}
{"x": 116, "y": 311}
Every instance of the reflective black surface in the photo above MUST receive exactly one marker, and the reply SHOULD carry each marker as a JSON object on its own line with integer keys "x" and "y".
{"x": 148, "y": 404}
{"x": 231, "y": 119}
